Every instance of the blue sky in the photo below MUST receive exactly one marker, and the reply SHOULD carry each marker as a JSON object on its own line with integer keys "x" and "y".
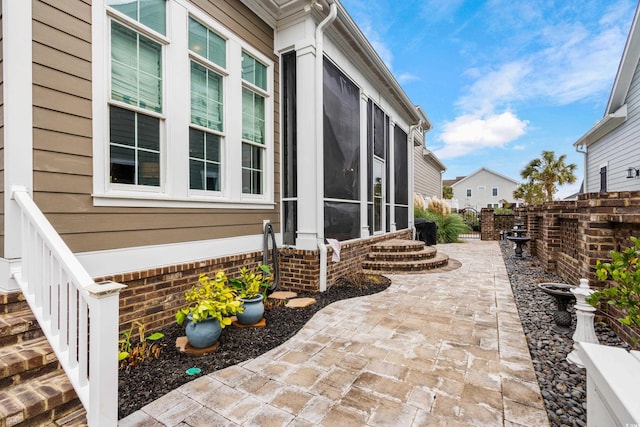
{"x": 501, "y": 80}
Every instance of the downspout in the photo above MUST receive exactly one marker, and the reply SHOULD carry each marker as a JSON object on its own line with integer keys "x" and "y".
{"x": 585, "y": 173}
{"x": 333, "y": 12}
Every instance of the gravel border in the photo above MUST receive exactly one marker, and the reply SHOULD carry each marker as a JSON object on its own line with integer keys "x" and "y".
{"x": 563, "y": 384}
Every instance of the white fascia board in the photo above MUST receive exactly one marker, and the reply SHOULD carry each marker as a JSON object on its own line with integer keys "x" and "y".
{"x": 141, "y": 258}
{"x": 603, "y": 127}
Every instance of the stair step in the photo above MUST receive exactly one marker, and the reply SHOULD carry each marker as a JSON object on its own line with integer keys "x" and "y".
{"x": 398, "y": 245}
{"x": 10, "y": 302}
{"x": 425, "y": 253}
{"x": 38, "y": 400}
{"x": 24, "y": 360}
{"x": 18, "y": 326}
{"x": 439, "y": 260}
{"x": 77, "y": 418}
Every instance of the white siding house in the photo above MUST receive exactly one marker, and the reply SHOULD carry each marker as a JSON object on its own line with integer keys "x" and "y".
{"x": 484, "y": 188}
{"x": 612, "y": 146}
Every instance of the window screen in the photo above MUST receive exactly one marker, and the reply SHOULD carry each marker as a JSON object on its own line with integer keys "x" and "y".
{"x": 341, "y": 135}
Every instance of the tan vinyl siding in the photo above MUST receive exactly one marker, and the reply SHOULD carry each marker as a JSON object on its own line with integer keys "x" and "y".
{"x": 63, "y": 163}
{"x": 427, "y": 176}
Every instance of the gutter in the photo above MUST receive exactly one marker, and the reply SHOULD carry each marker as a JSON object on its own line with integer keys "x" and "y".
{"x": 322, "y": 248}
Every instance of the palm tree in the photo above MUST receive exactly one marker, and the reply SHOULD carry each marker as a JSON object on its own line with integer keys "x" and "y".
{"x": 530, "y": 192}
{"x": 549, "y": 171}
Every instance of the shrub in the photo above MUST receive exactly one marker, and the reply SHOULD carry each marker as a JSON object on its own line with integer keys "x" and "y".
{"x": 449, "y": 226}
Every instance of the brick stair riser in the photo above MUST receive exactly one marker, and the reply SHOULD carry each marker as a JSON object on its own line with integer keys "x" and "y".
{"x": 389, "y": 267}
{"x": 398, "y": 248}
{"x": 34, "y": 390}
{"x": 397, "y": 256}
{"x": 12, "y": 302}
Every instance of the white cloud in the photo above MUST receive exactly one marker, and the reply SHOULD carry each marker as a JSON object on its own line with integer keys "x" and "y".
{"x": 408, "y": 77}
{"x": 548, "y": 62}
{"x": 470, "y": 132}
{"x": 519, "y": 147}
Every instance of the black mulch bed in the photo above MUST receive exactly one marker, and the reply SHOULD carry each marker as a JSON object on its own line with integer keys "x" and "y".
{"x": 150, "y": 380}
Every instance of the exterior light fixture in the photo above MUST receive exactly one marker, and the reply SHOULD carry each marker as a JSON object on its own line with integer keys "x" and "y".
{"x": 633, "y": 173}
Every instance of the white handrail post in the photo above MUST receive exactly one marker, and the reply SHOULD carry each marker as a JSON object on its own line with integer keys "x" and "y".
{"x": 103, "y": 354}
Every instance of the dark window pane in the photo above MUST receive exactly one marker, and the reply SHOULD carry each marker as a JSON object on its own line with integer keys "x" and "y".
{"x": 122, "y": 126}
{"x": 149, "y": 170}
{"x": 246, "y": 155}
{"x": 289, "y": 118}
{"x": 213, "y": 176}
{"x": 603, "y": 179}
{"x": 370, "y": 152}
{"x": 401, "y": 170}
{"x": 341, "y": 135}
{"x": 148, "y": 132}
{"x": 341, "y": 220}
{"x": 402, "y": 217}
{"x": 290, "y": 218}
{"x": 379, "y": 132}
{"x": 388, "y": 219}
{"x": 196, "y": 143}
{"x": 212, "y": 147}
{"x": 196, "y": 174}
{"x": 123, "y": 165}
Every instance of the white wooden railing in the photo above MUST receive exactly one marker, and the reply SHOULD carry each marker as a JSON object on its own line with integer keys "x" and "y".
{"x": 78, "y": 316}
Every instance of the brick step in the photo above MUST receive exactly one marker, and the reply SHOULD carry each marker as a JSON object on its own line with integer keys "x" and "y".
{"x": 425, "y": 253}
{"x": 38, "y": 401}
{"x": 77, "y": 418}
{"x": 18, "y": 326}
{"x": 398, "y": 245}
{"x": 439, "y": 260}
{"x": 11, "y": 302}
{"x": 24, "y": 360}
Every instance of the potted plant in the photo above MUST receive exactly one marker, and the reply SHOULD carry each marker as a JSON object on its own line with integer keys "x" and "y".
{"x": 210, "y": 304}
{"x": 251, "y": 289}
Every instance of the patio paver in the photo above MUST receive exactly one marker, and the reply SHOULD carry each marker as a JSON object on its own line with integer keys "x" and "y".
{"x": 442, "y": 348}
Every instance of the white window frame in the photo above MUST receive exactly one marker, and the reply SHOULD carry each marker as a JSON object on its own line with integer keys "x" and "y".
{"x": 497, "y": 192}
{"x": 176, "y": 117}
{"x": 469, "y": 192}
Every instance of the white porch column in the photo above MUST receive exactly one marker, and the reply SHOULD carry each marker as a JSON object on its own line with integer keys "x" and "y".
{"x": 392, "y": 179}
{"x": 18, "y": 126}
{"x": 308, "y": 165}
{"x": 364, "y": 198}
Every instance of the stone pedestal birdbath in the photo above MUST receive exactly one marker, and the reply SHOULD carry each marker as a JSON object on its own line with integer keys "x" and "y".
{"x": 518, "y": 237}
{"x": 563, "y": 296}
{"x": 585, "y": 331}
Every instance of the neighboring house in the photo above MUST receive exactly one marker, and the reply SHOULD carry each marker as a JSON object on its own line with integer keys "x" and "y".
{"x": 484, "y": 188}
{"x": 612, "y": 146}
{"x": 427, "y": 172}
{"x": 160, "y": 136}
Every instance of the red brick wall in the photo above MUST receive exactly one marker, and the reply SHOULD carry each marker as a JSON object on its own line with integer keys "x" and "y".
{"x": 153, "y": 296}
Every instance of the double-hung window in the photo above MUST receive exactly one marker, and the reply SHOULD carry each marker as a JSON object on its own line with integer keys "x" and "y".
{"x": 254, "y": 92}
{"x": 206, "y": 132}
{"x": 136, "y": 98}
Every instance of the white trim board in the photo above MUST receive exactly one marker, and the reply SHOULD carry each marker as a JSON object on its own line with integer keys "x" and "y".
{"x": 118, "y": 261}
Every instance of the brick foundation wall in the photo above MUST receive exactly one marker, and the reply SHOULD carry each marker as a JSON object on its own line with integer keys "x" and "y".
{"x": 153, "y": 296}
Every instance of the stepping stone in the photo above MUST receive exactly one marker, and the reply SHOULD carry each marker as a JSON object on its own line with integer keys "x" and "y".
{"x": 283, "y": 295}
{"x": 259, "y": 324}
{"x": 182, "y": 343}
{"x": 300, "y": 302}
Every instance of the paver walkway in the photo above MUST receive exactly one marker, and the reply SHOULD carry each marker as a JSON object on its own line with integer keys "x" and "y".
{"x": 444, "y": 348}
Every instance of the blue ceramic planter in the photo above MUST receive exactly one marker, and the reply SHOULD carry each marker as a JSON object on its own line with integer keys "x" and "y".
{"x": 204, "y": 333}
{"x": 253, "y": 310}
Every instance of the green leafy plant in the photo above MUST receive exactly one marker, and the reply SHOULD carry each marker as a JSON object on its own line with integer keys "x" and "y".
{"x": 449, "y": 226}
{"x": 252, "y": 282}
{"x": 145, "y": 348}
{"x": 625, "y": 295}
{"x": 210, "y": 298}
